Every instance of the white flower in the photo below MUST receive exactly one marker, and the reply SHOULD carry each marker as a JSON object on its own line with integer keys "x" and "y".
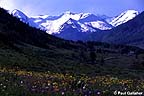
{"x": 4, "y": 86}
{"x": 21, "y": 82}
{"x": 63, "y": 93}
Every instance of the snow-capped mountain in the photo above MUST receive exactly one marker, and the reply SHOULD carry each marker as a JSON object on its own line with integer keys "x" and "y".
{"x": 95, "y": 21}
{"x": 73, "y": 30}
{"x": 76, "y": 25}
{"x": 20, "y": 15}
{"x": 83, "y": 22}
{"x": 53, "y": 25}
{"x": 123, "y": 17}
{"x": 130, "y": 33}
{"x": 26, "y": 19}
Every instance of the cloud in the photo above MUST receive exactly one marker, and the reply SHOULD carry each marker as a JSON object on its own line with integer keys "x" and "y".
{"x": 56, "y": 7}
{"x": 25, "y": 6}
{"x": 7, "y": 4}
{"x": 27, "y": 9}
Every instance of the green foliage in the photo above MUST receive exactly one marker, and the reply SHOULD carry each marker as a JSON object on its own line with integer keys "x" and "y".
{"x": 26, "y": 48}
{"x": 15, "y": 82}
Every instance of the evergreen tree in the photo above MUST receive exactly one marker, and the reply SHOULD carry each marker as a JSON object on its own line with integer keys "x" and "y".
{"x": 92, "y": 56}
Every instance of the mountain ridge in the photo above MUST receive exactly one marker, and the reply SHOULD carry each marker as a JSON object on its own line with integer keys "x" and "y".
{"x": 87, "y": 26}
{"x": 52, "y": 23}
{"x": 124, "y": 17}
{"x": 129, "y": 33}
{"x": 34, "y": 63}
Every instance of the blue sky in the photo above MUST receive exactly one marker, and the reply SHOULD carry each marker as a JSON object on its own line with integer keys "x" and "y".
{"x": 56, "y": 7}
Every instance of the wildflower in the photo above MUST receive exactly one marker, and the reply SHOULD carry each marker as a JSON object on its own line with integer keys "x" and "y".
{"x": 4, "y": 86}
{"x": 46, "y": 87}
{"x": 90, "y": 92}
{"x": 6, "y": 80}
{"x": 98, "y": 93}
{"x": 49, "y": 84}
{"x": 62, "y": 93}
{"x": 1, "y": 84}
{"x": 84, "y": 87}
{"x": 21, "y": 82}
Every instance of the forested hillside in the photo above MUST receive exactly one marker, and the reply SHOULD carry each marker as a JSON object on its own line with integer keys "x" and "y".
{"x": 33, "y": 63}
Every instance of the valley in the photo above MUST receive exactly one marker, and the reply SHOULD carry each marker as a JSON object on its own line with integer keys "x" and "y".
{"x": 34, "y": 63}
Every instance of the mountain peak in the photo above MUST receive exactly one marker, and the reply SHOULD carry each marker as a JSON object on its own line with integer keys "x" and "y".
{"x": 124, "y": 17}
{"x": 69, "y": 12}
{"x": 41, "y": 16}
{"x": 82, "y": 21}
{"x": 19, "y": 14}
{"x": 16, "y": 10}
{"x": 71, "y": 21}
{"x": 131, "y": 11}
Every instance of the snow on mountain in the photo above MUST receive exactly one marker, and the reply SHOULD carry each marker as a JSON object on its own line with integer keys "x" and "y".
{"x": 84, "y": 19}
{"x": 53, "y": 26}
{"x": 95, "y": 21}
{"x": 20, "y": 15}
{"x": 70, "y": 23}
{"x": 76, "y": 25}
{"x": 123, "y": 17}
{"x": 26, "y": 19}
{"x": 99, "y": 25}
{"x": 85, "y": 22}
